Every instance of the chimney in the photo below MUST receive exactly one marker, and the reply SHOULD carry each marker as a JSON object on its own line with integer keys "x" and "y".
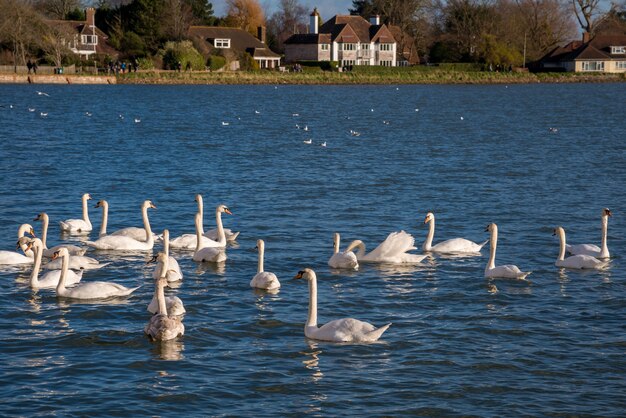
{"x": 585, "y": 37}
{"x": 314, "y": 21}
{"x": 260, "y": 33}
{"x": 90, "y": 16}
{"x": 375, "y": 20}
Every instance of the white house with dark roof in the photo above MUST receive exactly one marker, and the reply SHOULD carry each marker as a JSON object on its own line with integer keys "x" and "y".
{"x": 347, "y": 39}
{"x": 604, "y": 53}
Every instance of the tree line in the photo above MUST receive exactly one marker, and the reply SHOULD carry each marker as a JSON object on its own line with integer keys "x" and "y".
{"x": 488, "y": 31}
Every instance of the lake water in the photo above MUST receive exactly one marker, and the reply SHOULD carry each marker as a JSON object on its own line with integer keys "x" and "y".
{"x": 459, "y": 344}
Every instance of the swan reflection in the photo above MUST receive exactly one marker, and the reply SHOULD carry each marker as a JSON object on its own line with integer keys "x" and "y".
{"x": 312, "y": 360}
{"x": 217, "y": 268}
{"x": 168, "y": 350}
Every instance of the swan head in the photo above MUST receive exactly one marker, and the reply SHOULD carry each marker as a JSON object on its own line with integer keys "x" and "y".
{"x": 307, "y": 273}
{"x": 606, "y": 212}
{"x": 159, "y": 258}
{"x": 149, "y": 204}
{"x": 86, "y": 196}
{"x": 101, "y": 204}
{"x": 429, "y": 217}
{"x": 40, "y": 217}
{"x": 223, "y": 209}
{"x": 24, "y": 229}
{"x": 558, "y": 231}
{"x": 260, "y": 245}
{"x": 355, "y": 244}
{"x": 166, "y": 235}
{"x": 198, "y": 198}
{"x": 61, "y": 252}
{"x": 491, "y": 228}
{"x": 29, "y": 242}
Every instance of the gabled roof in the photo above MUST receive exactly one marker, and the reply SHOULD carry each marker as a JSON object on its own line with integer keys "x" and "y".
{"x": 336, "y": 24}
{"x": 598, "y": 48}
{"x": 309, "y": 38}
{"x": 346, "y": 29}
{"x": 81, "y": 28}
{"x": 240, "y": 40}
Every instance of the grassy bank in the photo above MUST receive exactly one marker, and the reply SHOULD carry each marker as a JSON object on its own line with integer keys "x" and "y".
{"x": 367, "y": 76}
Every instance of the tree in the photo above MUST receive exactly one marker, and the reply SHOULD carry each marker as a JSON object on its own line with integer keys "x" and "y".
{"x": 289, "y": 19}
{"x": 588, "y": 14}
{"x": 245, "y": 14}
{"x": 176, "y": 18}
{"x": 20, "y": 29}
{"x": 466, "y": 21}
{"x": 202, "y": 11}
{"x": 58, "y": 9}
{"x": 54, "y": 43}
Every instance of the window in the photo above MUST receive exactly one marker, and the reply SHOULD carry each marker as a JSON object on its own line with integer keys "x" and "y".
{"x": 222, "y": 43}
{"x": 364, "y": 62}
{"x": 345, "y": 63}
{"x": 89, "y": 39}
{"x": 347, "y": 47}
{"x": 593, "y": 65}
{"x": 324, "y": 47}
{"x": 620, "y": 65}
{"x": 618, "y": 50}
{"x": 365, "y": 47}
{"x": 385, "y": 47}
{"x": 386, "y": 63}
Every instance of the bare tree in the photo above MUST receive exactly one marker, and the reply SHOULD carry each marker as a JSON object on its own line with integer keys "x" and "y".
{"x": 55, "y": 42}
{"x": 176, "y": 19}
{"x": 58, "y": 9}
{"x": 20, "y": 29}
{"x": 289, "y": 19}
{"x": 588, "y": 14}
{"x": 245, "y": 14}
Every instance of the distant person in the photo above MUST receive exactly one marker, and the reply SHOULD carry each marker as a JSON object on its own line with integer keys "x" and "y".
{"x": 179, "y": 66}
{"x": 29, "y": 65}
{"x": 35, "y": 67}
{"x": 188, "y": 66}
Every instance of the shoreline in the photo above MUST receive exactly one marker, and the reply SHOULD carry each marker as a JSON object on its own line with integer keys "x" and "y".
{"x": 313, "y": 78}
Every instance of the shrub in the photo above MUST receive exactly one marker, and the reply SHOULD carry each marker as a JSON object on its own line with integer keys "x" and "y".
{"x": 181, "y": 52}
{"x": 215, "y": 62}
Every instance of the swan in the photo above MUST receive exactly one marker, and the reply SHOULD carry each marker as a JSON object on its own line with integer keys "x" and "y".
{"x": 174, "y": 273}
{"x": 214, "y": 233}
{"x": 163, "y": 327}
{"x": 578, "y": 261}
{"x": 342, "y": 260}
{"x": 78, "y": 226}
{"x": 48, "y": 252}
{"x": 189, "y": 241}
{"x": 12, "y": 257}
{"x": 174, "y": 304}
{"x": 133, "y": 232}
{"x": 208, "y": 254}
{"x": 507, "y": 271}
{"x": 392, "y": 250}
{"x": 263, "y": 279}
{"x": 451, "y": 246}
{"x": 339, "y": 330}
{"x": 594, "y": 250}
{"x": 125, "y": 243}
{"x": 105, "y": 216}
{"x": 90, "y": 290}
{"x": 77, "y": 262}
{"x": 50, "y": 280}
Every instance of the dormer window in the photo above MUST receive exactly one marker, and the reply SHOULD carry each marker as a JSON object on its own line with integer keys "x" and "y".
{"x": 618, "y": 50}
{"x": 89, "y": 39}
{"x": 222, "y": 43}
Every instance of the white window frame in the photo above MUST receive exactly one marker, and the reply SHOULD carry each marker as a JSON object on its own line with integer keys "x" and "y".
{"x": 347, "y": 47}
{"x": 365, "y": 47}
{"x": 620, "y": 65}
{"x": 324, "y": 47}
{"x": 385, "y": 47}
{"x": 593, "y": 66}
{"x": 386, "y": 63}
{"x": 618, "y": 50}
{"x": 87, "y": 39}
{"x": 223, "y": 43}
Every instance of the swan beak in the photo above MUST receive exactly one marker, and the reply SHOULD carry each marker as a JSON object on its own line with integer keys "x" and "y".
{"x": 226, "y": 210}
{"x": 32, "y": 232}
{"x": 608, "y": 212}
{"x": 554, "y": 232}
{"x": 55, "y": 255}
{"x": 28, "y": 247}
{"x": 152, "y": 260}
{"x": 426, "y": 220}
{"x": 37, "y": 217}
{"x": 487, "y": 228}
{"x": 299, "y": 275}
{"x": 152, "y": 205}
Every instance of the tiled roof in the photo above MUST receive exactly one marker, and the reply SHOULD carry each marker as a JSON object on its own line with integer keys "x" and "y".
{"x": 240, "y": 40}
{"x": 599, "y": 48}
{"x": 346, "y": 29}
{"x": 309, "y": 38}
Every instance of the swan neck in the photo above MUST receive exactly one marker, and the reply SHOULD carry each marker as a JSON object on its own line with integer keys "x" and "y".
{"x": 429, "y": 238}
{"x": 493, "y": 243}
{"x": 22, "y": 230}
{"x": 86, "y": 211}
{"x": 261, "y": 256}
{"x": 312, "y": 320}
{"x": 221, "y": 235}
{"x": 44, "y": 229}
{"x": 166, "y": 243}
{"x": 34, "y": 276}
{"x": 337, "y": 243}
{"x": 562, "y": 245}
{"x": 105, "y": 219}
{"x": 198, "y": 232}
{"x": 605, "y": 229}
{"x": 65, "y": 265}
{"x": 160, "y": 294}
{"x": 361, "y": 250}
{"x": 146, "y": 222}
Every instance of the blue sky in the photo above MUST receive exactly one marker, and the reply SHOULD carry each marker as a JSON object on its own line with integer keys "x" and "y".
{"x": 327, "y": 8}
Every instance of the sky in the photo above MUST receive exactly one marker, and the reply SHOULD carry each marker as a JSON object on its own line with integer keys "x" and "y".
{"x": 326, "y": 8}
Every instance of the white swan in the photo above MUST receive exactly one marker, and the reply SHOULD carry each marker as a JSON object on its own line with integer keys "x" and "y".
{"x": 48, "y": 252}
{"x": 174, "y": 305}
{"x": 591, "y": 249}
{"x": 214, "y": 233}
{"x": 163, "y": 327}
{"x": 263, "y": 279}
{"x": 134, "y": 232}
{"x": 125, "y": 243}
{"x": 507, "y": 271}
{"x": 392, "y": 250}
{"x": 450, "y": 246}
{"x": 189, "y": 241}
{"x": 78, "y": 226}
{"x": 207, "y": 254}
{"x": 339, "y": 330}
{"x": 105, "y": 216}
{"x": 50, "y": 280}
{"x": 90, "y": 290}
{"x": 77, "y": 262}
{"x": 12, "y": 257}
{"x": 174, "y": 274}
{"x": 579, "y": 261}
{"x": 344, "y": 259}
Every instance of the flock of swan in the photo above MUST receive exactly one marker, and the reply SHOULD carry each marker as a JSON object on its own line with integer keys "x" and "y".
{"x": 64, "y": 271}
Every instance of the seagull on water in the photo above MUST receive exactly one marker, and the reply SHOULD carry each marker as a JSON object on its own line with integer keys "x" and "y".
{"x": 137, "y": 120}
{"x": 323, "y": 144}
{"x": 225, "y": 123}
{"x": 41, "y": 93}
{"x": 308, "y": 141}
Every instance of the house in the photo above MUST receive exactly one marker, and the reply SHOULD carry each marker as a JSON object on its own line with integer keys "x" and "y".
{"x": 232, "y": 42}
{"x": 604, "y": 53}
{"x": 85, "y": 38}
{"x": 347, "y": 39}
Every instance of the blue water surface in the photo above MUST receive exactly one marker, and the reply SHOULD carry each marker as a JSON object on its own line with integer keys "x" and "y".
{"x": 459, "y": 344}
